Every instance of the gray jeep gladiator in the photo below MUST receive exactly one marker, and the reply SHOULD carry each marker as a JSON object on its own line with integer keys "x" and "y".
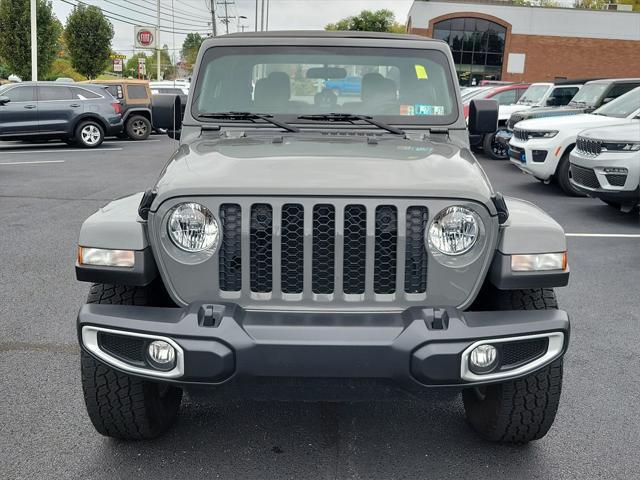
{"x": 304, "y": 245}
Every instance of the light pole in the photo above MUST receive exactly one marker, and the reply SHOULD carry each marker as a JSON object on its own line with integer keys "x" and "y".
{"x": 34, "y": 42}
{"x": 158, "y": 44}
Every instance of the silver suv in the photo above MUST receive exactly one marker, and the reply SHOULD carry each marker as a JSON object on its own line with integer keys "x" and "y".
{"x": 306, "y": 244}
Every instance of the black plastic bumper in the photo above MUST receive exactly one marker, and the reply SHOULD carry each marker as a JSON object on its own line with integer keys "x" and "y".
{"x": 420, "y": 347}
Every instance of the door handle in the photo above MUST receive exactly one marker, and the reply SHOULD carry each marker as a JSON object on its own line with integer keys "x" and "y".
{"x": 29, "y": 106}
{"x": 74, "y": 105}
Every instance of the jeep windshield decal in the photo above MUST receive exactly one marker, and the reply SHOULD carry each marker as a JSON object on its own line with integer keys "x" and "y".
{"x": 394, "y": 86}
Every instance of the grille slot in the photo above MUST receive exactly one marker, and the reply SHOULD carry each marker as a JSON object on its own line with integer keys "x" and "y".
{"x": 261, "y": 243}
{"x": 514, "y": 354}
{"x": 584, "y": 176}
{"x": 616, "y": 179}
{"x": 324, "y": 239}
{"x": 521, "y": 134}
{"x": 355, "y": 249}
{"x": 124, "y": 347}
{"x": 415, "y": 267}
{"x": 230, "y": 270}
{"x": 588, "y": 146}
{"x": 292, "y": 241}
{"x": 384, "y": 276}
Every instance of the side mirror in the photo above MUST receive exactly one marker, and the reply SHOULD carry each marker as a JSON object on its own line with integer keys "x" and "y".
{"x": 552, "y": 102}
{"x": 483, "y": 116}
{"x": 167, "y": 111}
{"x": 4, "y": 100}
{"x": 607, "y": 100}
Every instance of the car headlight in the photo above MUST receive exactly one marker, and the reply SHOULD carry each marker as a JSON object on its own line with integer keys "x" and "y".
{"x": 547, "y": 134}
{"x": 193, "y": 228}
{"x": 454, "y": 230}
{"x": 621, "y": 146}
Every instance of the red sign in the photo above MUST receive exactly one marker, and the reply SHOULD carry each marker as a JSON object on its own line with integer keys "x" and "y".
{"x": 145, "y": 38}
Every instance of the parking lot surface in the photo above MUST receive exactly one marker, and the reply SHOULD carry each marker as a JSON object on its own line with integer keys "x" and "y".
{"x": 46, "y": 192}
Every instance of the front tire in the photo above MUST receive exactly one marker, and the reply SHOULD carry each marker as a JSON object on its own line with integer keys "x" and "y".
{"x": 121, "y": 405}
{"x": 138, "y": 127}
{"x": 494, "y": 149}
{"x": 562, "y": 177}
{"x": 521, "y": 410}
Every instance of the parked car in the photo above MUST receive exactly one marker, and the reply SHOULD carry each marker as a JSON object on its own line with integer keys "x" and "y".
{"x": 350, "y": 85}
{"x": 169, "y": 87}
{"x": 605, "y": 164}
{"x": 78, "y": 114}
{"x": 294, "y": 253}
{"x": 135, "y": 98}
{"x": 591, "y": 95}
{"x": 541, "y": 146}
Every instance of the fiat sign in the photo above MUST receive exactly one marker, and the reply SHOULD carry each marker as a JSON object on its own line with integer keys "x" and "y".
{"x": 145, "y": 37}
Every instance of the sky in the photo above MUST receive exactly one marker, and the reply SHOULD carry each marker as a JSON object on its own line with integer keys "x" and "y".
{"x": 194, "y": 15}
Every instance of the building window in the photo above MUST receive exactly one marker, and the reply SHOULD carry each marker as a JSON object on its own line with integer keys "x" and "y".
{"x": 477, "y": 46}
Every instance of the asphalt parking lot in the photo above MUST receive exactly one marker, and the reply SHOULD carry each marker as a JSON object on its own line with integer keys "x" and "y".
{"x": 47, "y": 190}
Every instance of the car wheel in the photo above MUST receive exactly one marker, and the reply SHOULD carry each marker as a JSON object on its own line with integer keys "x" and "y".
{"x": 120, "y": 405}
{"x": 138, "y": 127}
{"x": 494, "y": 149}
{"x": 89, "y": 134}
{"x": 562, "y": 176}
{"x": 521, "y": 410}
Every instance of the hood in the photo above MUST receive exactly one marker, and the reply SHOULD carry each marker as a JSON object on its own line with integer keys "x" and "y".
{"x": 304, "y": 165}
{"x": 578, "y": 122}
{"x": 618, "y": 133}
{"x": 544, "y": 112}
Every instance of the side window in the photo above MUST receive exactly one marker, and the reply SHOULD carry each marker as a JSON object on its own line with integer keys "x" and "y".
{"x": 563, "y": 95}
{"x": 520, "y": 92}
{"x": 137, "y": 92}
{"x": 116, "y": 91}
{"x": 508, "y": 97}
{"x": 49, "y": 93}
{"x": 21, "y": 94}
{"x": 82, "y": 94}
{"x": 620, "y": 89}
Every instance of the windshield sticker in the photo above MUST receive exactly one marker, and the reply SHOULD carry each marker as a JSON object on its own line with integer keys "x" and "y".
{"x": 421, "y": 72}
{"x": 421, "y": 109}
{"x": 407, "y": 110}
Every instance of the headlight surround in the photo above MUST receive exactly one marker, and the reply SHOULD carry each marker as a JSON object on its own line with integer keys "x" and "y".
{"x": 454, "y": 231}
{"x": 542, "y": 134}
{"x": 193, "y": 228}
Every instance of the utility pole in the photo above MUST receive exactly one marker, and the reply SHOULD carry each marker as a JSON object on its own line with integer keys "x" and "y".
{"x": 158, "y": 45}
{"x": 226, "y": 14}
{"x": 34, "y": 42}
{"x": 214, "y": 30}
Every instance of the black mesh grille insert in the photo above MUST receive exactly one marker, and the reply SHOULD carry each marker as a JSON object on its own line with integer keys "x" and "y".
{"x": 584, "y": 176}
{"x": 384, "y": 276}
{"x": 616, "y": 179}
{"x": 230, "y": 270}
{"x": 292, "y": 266}
{"x": 355, "y": 248}
{"x": 415, "y": 265}
{"x": 323, "y": 259}
{"x": 124, "y": 347}
{"x": 261, "y": 247}
{"x": 516, "y": 353}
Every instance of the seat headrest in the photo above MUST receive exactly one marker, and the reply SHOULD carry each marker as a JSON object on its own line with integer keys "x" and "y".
{"x": 275, "y": 89}
{"x": 376, "y": 88}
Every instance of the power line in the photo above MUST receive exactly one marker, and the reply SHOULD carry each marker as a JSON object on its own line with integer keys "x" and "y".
{"x": 171, "y": 13}
{"x": 144, "y": 13}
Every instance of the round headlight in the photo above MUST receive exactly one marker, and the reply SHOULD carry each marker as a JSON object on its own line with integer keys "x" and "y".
{"x": 454, "y": 230}
{"x": 193, "y": 228}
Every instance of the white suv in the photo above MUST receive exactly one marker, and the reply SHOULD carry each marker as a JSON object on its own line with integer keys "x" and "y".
{"x": 606, "y": 164}
{"x": 541, "y": 146}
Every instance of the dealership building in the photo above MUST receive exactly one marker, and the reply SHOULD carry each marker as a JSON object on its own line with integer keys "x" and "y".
{"x": 502, "y": 41}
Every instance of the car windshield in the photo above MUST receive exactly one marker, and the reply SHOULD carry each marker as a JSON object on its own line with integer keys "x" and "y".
{"x": 621, "y": 107}
{"x": 589, "y": 94}
{"x": 475, "y": 93}
{"x": 534, "y": 94}
{"x": 398, "y": 85}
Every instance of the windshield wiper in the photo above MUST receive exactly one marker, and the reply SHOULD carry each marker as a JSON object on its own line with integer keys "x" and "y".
{"x": 350, "y": 117}
{"x": 249, "y": 116}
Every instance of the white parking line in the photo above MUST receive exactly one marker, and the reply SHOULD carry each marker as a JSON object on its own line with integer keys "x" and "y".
{"x": 65, "y": 150}
{"x": 35, "y": 161}
{"x": 604, "y": 235}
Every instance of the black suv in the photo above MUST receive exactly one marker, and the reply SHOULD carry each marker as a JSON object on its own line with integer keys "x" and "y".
{"x": 78, "y": 114}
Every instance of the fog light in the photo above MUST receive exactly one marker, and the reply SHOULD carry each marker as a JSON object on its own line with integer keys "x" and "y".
{"x": 161, "y": 355}
{"x": 483, "y": 358}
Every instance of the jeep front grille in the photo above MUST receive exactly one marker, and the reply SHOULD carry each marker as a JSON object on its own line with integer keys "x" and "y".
{"x": 588, "y": 146}
{"x": 521, "y": 134}
{"x": 340, "y": 242}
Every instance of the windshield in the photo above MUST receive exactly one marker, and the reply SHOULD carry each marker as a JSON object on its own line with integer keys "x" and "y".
{"x": 534, "y": 94}
{"x": 589, "y": 94}
{"x": 475, "y": 93}
{"x": 621, "y": 107}
{"x": 398, "y": 85}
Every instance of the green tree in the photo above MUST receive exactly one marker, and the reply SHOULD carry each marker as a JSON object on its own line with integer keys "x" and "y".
{"x": 131, "y": 67}
{"x": 88, "y": 36}
{"x": 369, "y": 21}
{"x": 190, "y": 48}
{"x": 590, "y": 4}
{"x": 15, "y": 36}
{"x": 167, "y": 70}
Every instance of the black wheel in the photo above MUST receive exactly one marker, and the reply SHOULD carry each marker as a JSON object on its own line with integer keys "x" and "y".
{"x": 493, "y": 148}
{"x": 138, "y": 127}
{"x": 516, "y": 411}
{"x": 562, "y": 176}
{"x": 89, "y": 134}
{"x": 120, "y": 405}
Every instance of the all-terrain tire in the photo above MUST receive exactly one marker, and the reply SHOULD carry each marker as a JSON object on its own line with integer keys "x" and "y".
{"x": 563, "y": 174}
{"x": 521, "y": 410}
{"x": 120, "y": 405}
{"x": 138, "y": 127}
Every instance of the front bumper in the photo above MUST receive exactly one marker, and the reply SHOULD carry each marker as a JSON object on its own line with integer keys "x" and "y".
{"x": 536, "y": 157}
{"x": 414, "y": 349}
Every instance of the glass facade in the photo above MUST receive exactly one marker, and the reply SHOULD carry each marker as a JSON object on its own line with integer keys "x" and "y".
{"x": 477, "y": 46}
